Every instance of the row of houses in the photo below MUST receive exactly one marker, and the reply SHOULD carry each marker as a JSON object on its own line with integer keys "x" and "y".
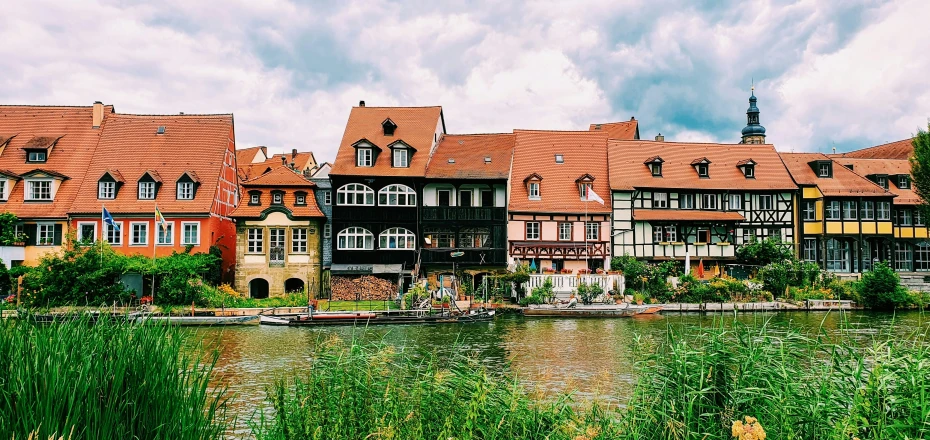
{"x": 404, "y": 199}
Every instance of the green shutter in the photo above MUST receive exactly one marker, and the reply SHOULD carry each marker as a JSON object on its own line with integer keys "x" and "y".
{"x": 57, "y": 237}
{"x": 30, "y": 230}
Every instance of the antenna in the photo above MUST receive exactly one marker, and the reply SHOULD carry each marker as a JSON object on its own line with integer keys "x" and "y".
{"x": 834, "y": 147}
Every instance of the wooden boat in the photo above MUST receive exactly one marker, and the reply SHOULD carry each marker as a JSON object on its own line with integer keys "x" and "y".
{"x": 200, "y": 320}
{"x": 88, "y": 317}
{"x": 368, "y": 318}
{"x": 590, "y": 311}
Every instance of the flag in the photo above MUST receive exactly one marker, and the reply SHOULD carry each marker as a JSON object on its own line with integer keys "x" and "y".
{"x": 108, "y": 219}
{"x": 160, "y": 219}
{"x": 591, "y": 196}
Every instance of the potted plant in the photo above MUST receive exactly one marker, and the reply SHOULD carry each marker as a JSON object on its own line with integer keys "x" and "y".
{"x": 445, "y": 302}
{"x": 548, "y": 270}
{"x": 639, "y": 298}
{"x": 566, "y": 271}
{"x": 584, "y": 271}
{"x": 600, "y": 271}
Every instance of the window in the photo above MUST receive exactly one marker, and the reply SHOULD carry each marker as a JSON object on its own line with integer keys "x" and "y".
{"x": 833, "y": 210}
{"x": 703, "y": 235}
{"x": 918, "y": 217}
{"x": 671, "y": 233}
{"x": 922, "y": 260}
{"x": 138, "y": 234}
{"x": 765, "y": 202}
{"x": 559, "y": 158}
{"x": 867, "y": 210}
{"x": 185, "y": 190}
{"x": 903, "y": 255}
{"x": 657, "y": 236}
{"x": 397, "y": 195}
{"x": 397, "y": 238}
{"x": 439, "y": 238}
{"x": 534, "y": 191}
{"x": 656, "y": 169}
{"x": 686, "y": 201}
{"x": 487, "y": 198}
{"x": 299, "y": 240}
{"x": 300, "y": 199}
{"x": 276, "y": 245}
{"x": 255, "y": 199}
{"x": 702, "y": 170}
{"x": 355, "y": 194}
{"x": 882, "y": 181}
{"x": 444, "y": 197}
{"x": 465, "y": 197}
{"x": 749, "y": 171}
{"x": 45, "y": 234}
{"x": 837, "y": 255}
{"x": 256, "y": 240}
{"x": 592, "y": 230}
{"x": 3, "y": 195}
{"x": 884, "y": 211}
{"x": 355, "y": 238}
{"x": 708, "y": 201}
{"x": 363, "y": 158}
{"x": 660, "y": 200}
{"x": 904, "y": 181}
{"x": 36, "y": 156}
{"x": 736, "y": 202}
{"x": 565, "y": 231}
{"x": 824, "y": 170}
{"x": 905, "y": 217}
{"x": 327, "y": 197}
{"x": 327, "y": 230}
{"x": 849, "y": 210}
{"x": 277, "y": 197}
{"x": 475, "y": 237}
{"x": 146, "y": 190}
{"x": 87, "y": 232}
{"x": 190, "y": 233}
{"x": 106, "y": 190}
{"x": 810, "y": 213}
{"x": 166, "y": 234}
{"x": 532, "y": 230}
{"x": 40, "y": 189}
{"x": 810, "y": 249}
{"x": 114, "y": 235}
{"x": 400, "y": 158}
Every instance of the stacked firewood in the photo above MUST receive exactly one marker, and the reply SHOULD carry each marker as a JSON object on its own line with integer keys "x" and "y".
{"x": 365, "y": 287}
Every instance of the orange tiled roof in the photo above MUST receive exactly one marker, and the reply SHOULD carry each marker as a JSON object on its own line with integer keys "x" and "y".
{"x": 280, "y": 176}
{"x": 628, "y": 169}
{"x": 71, "y": 155}
{"x": 195, "y": 145}
{"x": 246, "y": 156}
{"x": 902, "y": 149}
{"x": 890, "y": 167}
{"x": 470, "y": 153}
{"x": 843, "y": 183}
{"x": 686, "y": 214}
{"x": 583, "y": 152}
{"x": 626, "y": 131}
{"x": 245, "y": 210}
{"x": 416, "y": 126}
{"x": 302, "y": 160}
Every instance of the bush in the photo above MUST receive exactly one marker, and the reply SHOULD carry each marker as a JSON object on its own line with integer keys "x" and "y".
{"x": 778, "y": 276}
{"x": 588, "y": 292}
{"x": 544, "y": 293}
{"x": 761, "y": 253}
{"x": 881, "y": 288}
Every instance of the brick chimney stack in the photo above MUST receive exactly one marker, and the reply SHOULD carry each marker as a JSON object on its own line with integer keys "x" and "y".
{"x": 98, "y": 114}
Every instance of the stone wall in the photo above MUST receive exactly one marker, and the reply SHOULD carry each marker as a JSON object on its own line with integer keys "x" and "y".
{"x": 305, "y": 267}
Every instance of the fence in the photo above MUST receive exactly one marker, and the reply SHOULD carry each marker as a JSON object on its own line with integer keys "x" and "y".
{"x": 565, "y": 284}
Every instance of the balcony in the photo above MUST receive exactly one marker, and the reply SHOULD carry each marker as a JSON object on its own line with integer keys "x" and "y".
{"x": 471, "y": 257}
{"x": 460, "y": 213}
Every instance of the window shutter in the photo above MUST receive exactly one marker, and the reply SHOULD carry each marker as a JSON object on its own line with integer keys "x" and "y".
{"x": 57, "y": 238}
{"x": 30, "y": 230}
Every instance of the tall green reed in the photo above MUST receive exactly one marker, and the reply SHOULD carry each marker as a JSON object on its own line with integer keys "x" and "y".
{"x": 105, "y": 381}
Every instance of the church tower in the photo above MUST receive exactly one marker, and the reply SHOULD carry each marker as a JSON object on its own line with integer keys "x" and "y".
{"x": 753, "y": 132}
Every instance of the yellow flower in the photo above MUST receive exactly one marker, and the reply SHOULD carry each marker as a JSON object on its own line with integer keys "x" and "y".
{"x": 750, "y": 430}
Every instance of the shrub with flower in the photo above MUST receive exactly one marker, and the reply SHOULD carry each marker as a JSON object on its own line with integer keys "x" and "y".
{"x": 750, "y": 430}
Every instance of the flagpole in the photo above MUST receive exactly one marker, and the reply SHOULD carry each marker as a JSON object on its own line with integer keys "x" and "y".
{"x": 154, "y": 249}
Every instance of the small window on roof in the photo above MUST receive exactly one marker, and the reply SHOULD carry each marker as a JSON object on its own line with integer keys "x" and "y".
{"x": 656, "y": 169}
{"x": 559, "y": 158}
{"x": 389, "y": 126}
{"x": 904, "y": 181}
{"x": 451, "y": 160}
{"x": 749, "y": 171}
{"x": 161, "y": 130}
{"x": 824, "y": 169}
{"x": 487, "y": 159}
{"x": 36, "y": 156}
{"x": 702, "y": 170}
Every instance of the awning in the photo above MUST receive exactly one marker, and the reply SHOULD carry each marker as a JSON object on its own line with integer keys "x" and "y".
{"x": 686, "y": 215}
{"x": 361, "y": 269}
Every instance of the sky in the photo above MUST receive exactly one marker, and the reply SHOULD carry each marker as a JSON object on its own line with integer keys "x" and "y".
{"x": 846, "y": 74}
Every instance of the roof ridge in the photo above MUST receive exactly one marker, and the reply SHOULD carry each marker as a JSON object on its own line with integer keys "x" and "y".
{"x": 649, "y": 141}
{"x": 175, "y": 114}
{"x": 399, "y": 106}
{"x": 48, "y": 106}
{"x": 478, "y": 134}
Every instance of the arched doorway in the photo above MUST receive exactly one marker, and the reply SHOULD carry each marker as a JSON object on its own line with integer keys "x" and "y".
{"x": 258, "y": 288}
{"x": 294, "y": 285}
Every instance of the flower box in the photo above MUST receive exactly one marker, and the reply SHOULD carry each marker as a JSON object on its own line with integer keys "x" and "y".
{"x": 723, "y": 243}
{"x": 584, "y": 271}
{"x": 566, "y": 271}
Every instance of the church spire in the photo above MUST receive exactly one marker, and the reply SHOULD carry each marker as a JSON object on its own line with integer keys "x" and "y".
{"x": 753, "y": 132}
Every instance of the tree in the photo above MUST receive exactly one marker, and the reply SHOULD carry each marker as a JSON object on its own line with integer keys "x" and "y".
{"x": 762, "y": 253}
{"x": 920, "y": 167}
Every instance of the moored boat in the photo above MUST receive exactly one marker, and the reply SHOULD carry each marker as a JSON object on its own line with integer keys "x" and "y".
{"x": 368, "y": 318}
{"x": 200, "y": 320}
{"x": 591, "y": 311}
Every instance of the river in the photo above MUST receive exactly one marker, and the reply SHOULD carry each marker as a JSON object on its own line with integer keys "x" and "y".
{"x": 590, "y": 357}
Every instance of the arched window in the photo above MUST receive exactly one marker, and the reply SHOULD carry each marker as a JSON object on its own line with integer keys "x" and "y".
{"x": 355, "y": 239}
{"x": 258, "y": 288}
{"x": 397, "y": 238}
{"x": 355, "y": 194}
{"x": 397, "y": 195}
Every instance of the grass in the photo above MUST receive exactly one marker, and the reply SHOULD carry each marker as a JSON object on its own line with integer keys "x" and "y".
{"x": 82, "y": 381}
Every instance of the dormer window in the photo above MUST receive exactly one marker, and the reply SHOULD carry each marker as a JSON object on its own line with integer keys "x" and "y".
{"x": 388, "y": 126}
{"x": 584, "y": 183}
{"x": 904, "y": 181}
{"x": 38, "y": 190}
{"x": 655, "y": 165}
{"x": 702, "y": 166}
{"x": 187, "y": 186}
{"x": 363, "y": 157}
{"x": 255, "y": 198}
{"x": 882, "y": 181}
{"x": 534, "y": 190}
{"x": 702, "y": 170}
{"x": 36, "y": 156}
{"x": 400, "y": 154}
{"x": 300, "y": 198}
{"x": 38, "y": 148}
{"x": 400, "y": 158}
{"x": 748, "y": 166}
{"x": 532, "y": 183}
{"x": 823, "y": 169}
{"x": 277, "y": 197}
{"x": 106, "y": 190}
{"x": 148, "y": 185}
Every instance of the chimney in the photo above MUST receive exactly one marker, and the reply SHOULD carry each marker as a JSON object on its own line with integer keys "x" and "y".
{"x": 633, "y": 118}
{"x": 660, "y": 138}
{"x": 293, "y": 153}
{"x": 361, "y": 103}
{"x": 98, "y": 114}
{"x": 284, "y": 160}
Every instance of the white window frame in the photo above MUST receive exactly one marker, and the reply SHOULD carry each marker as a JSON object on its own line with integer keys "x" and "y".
{"x": 703, "y": 170}
{"x": 882, "y": 181}
{"x": 119, "y": 237}
{"x": 400, "y": 158}
{"x": 169, "y": 234}
{"x": 867, "y": 210}
{"x": 592, "y": 231}
{"x": 657, "y": 234}
{"x": 49, "y": 232}
{"x": 809, "y": 251}
{"x": 80, "y": 227}
{"x": 838, "y": 255}
{"x": 832, "y": 214}
{"x": 255, "y": 199}
{"x": 357, "y": 235}
{"x": 883, "y": 211}
{"x": 299, "y": 240}
{"x": 106, "y": 190}
{"x": 709, "y": 201}
{"x": 904, "y": 181}
{"x": 903, "y": 256}
{"x": 907, "y": 218}
{"x": 536, "y": 229}
{"x": 184, "y": 241}
{"x": 565, "y": 231}
{"x": 363, "y": 157}
{"x": 766, "y": 202}
{"x": 355, "y": 192}
{"x": 147, "y": 190}
{"x": 255, "y": 241}
{"x": 918, "y": 217}
{"x": 404, "y": 239}
{"x": 132, "y": 234}
{"x": 686, "y": 201}
{"x": 659, "y": 200}
{"x": 534, "y": 191}
{"x": 824, "y": 170}
{"x": 30, "y": 189}
{"x": 810, "y": 210}
{"x": 185, "y": 191}
{"x": 327, "y": 197}
{"x": 738, "y": 206}
{"x": 850, "y": 214}
{"x": 749, "y": 171}
{"x": 671, "y": 233}
{"x": 277, "y": 198}
{"x": 3, "y": 189}
{"x": 44, "y": 156}
{"x": 328, "y": 230}
{"x": 393, "y": 195}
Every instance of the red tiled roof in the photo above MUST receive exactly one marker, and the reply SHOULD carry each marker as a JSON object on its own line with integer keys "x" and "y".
{"x": 246, "y": 156}
{"x": 843, "y": 183}
{"x": 416, "y": 126}
{"x": 890, "y": 167}
{"x": 469, "y": 152}
{"x": 685, "y": 215}
{"x": 902, "y": 149}
{"x": 195, "y": 145}
{"x": 280, "y": 176}
{"x": 71, "y": 156}
{"x": 301, "y": 160}
{"x": 583, "y": 152}
{"x": 244, "y": 210}
{"x": 627, "y": 169}
{"x": 626, "y": 131}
